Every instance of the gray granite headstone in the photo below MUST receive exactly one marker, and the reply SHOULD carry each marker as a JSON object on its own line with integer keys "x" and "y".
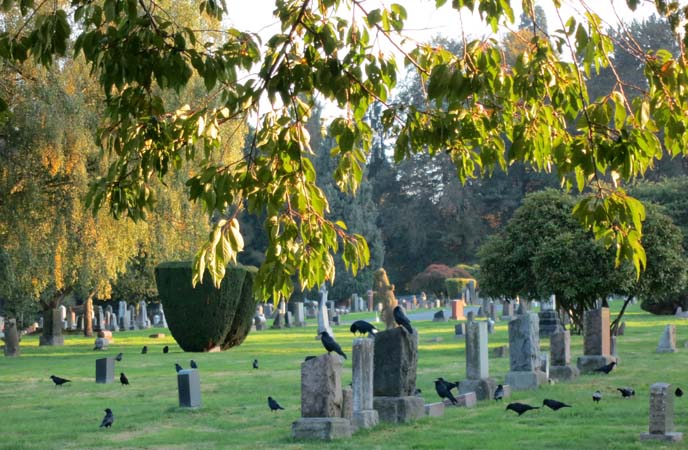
{"x": 189, "y": 387}
{"x": 396, "y": 360}
{"x": 323, "y": 317}
{"x": 524, "y": 353}
{"x": 661, "y": 414}
{"x": 667, "y": 343}
{"x": 321, "y": 386}
{"x": 364, "y": 416}
{"x": 477, "y": 362}
{"x": 105, "y": 370}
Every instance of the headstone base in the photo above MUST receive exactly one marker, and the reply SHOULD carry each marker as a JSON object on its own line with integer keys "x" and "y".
{"x": 588, "y": 364}
{"x": 467, "y": 400}
{"x": 523, "y": 381}
{"x": 367, "y": 418}
{"x": 399, "y": 409}
{"x": 483, "y": 388}
{"x": 322, "y": 428}
{"x": 434, "y": 409}
{"x": 563, "y": 373}
{"x": 669, "y": 437}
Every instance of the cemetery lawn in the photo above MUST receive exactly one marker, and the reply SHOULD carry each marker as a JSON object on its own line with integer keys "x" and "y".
{"x": 36, "y": 415}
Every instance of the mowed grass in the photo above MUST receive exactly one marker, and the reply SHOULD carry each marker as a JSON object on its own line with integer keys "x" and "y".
{"x": 36, "y": 415}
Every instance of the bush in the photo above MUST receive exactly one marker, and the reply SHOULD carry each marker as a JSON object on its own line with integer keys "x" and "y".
{"x": 204, "y": 317}
{"x": 454, "y": 286}
{"x": 433, "y": 279}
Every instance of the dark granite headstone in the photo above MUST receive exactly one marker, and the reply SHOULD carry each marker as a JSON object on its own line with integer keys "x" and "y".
{"x": 105, "y": 370}
{"x": 189, "y": 387}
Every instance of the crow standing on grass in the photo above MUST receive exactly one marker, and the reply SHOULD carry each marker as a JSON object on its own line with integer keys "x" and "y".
{"x": 401, "y": 319}
{"x": 626, "y": 392}
{"x": 330, "y": 344}
{"x": 108, "y": 420}
{"x": 554, "y": 404}
{"x": 520, "y": 408}
{"x": 361, "y": 326}
{"x": 443, "y": 391}
{"x": 596, "y": 396}
{"x": 274, "y": 406}
{"x": 123, "y": 379}
{"x": 59, "y": 381}
{"x": 144, "y": 350}
{"x": 678, "y": 392}
{"x": 118, "y": 357}
{"x": 166, "y": 349}
{"x": 606, "y": 368}
{"x": 255, "y": 363}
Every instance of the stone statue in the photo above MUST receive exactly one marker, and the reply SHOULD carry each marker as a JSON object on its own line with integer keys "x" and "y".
{"x": 384, "y": 291}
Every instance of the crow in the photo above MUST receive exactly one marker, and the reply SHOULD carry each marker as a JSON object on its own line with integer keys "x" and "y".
{"x": 59, "y": 381}
{"x": 108, "y": 419}
{"x": 449, "y": 384}
{"x": 678, "y": 392}
{"x": 596, "y": 396}
{"x": 123, "y": 379}
{"x": 193, "y": 364}
{"x": 118, "y": 357}
{"x": 417, "y": 392}
{"x": 626, "y": 392}
{"x": 274, "y": 406}
{"x": 443, "y": 391}
{"x": 606, "y": 368}
{"x": 361, "y": 326}
{"x": 330, "y": 344}
{"x": 520, "y": 408}
{"x": 255, "y": 363}
{"x": 554, "y": 404}
{"x": 499, "y": 392}
{"x": 178, "y": 367}
{"x": 166, "y": 349}
{"x": 401, "y": 319}
{"x": 144, "y": 350}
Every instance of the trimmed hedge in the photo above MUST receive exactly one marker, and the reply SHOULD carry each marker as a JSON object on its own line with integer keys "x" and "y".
{"x": 204, "y": 317}
{"x": 455, "y": 286}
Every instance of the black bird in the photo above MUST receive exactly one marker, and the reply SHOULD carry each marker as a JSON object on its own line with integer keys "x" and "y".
{"x": 193, "y": 364}
{"x": 449, "y": 384}
{"x": 606, "y": 368}
{"x": 330, "y": 344}
{"x": 361, "y": 326}
{"x": 520, "y": 408}
{"x": 417, "y": 392}
{"x": 118, "y": 357}
{"x": 596, "y": 396}
{"x": 401, "y": 319}
{"x": 178, "y": 367}
{"x": 255, "y": 363}
{"x": 274, "y": 406}
{"x": 144, "y": 350}
{"x": 108, "y": 420}
{"x": 123, "y": 379}
{"x": 59, "y": 381}
{"x": 443, "y": 391}
{"x": 626, "y": 392}
{"x": 166, "y": 349}
{"x": 678, "y": 392}
{"x": 554, "y": 404}
{"x": 499, "y": 392}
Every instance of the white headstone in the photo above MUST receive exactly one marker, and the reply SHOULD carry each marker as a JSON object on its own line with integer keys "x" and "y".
{"x": 323, "y": 317}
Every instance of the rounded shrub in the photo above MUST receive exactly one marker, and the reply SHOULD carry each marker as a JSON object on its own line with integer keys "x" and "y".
{"x": 204, "y": 318}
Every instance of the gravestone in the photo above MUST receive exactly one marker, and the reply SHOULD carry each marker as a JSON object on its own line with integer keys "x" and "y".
{"x": 100, "y": 318}
{"x": 125, "y": 324}
{"x": 279, "y": 321}
{"x": 492, "y": 311}
{"x": 362, "y": 361}
{"x": 661, "y": 415}
{"x": 457, "y": 310}
{"x": 100, "y": 344}
{"x": 477, "y": 362}
{"x": 288, "y": 319}
{"x": 163, "y": 320}
{"x": 667, "y": 343}
{"x": 394, "y": 376}
{"x": 524, "y": 353}
{"x": 560, "y": 356}
{"x": 490, "y": 326}
{"x": 323, "y": 317}
{"x": 459, "y": 329}
{"x": 105, "y": 370}
{"x": 439, "y": 316}
{"x": 622, "y": 329}
{"x": 549, "y": 319}
{"x": 508, "y": 311}
{"x": 321, "y": 400}
{"x": 371, "y": 296}
{"x": 63, "y": 316}
{"x": 500, "y": 352}
{"x": 143, "y": 315}
{"x": 121, "y": 310}
{"x": 471, "y": 297}
{"x": 300, "y": 316}
{"x": 189, "y": 388}
{"x": 11, "y": 338}
{"x": 596, "y": 342}
{"x": 71, "y": 319}
{"x": 52, "y": 328}
{"x": 347, "y": 404}
{"x": 260, "y": 322}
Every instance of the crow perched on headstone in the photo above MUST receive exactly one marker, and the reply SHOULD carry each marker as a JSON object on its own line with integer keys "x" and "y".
{"x": 193, "y": 364}
{"x": 274, "y": 406}
{"x": 178, "y": 367}
{"x": 118, "y": 357}
{"x": 444, "y": 392}
{"x": 626, "y": 392}
{"x": 678, "y": 392}
{"x": 123, "y": 379}
{"x": 606, "y": 368}
{"x": 499, "y": 392}
{"x": 555, "y": 405}
{"x": 166, "y": 349}
{"x": 144, "y": 350}
{"x": 255, "y": 363}
{"x": 330, "y": 344}
{"x": 596, "y": 396}
{"x": 59, "y": 381}
{"x": 520, "y": 408}
{"x": 401, "y": 319}
{"x": 361, "y": 326}
{"x": 108, "y": 420}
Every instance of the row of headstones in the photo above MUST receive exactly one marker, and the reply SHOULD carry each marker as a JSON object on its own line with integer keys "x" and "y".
{"x": 128, "y": 317}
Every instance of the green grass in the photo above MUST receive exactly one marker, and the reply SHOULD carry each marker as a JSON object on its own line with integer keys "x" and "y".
{"x": 36, "y": 415}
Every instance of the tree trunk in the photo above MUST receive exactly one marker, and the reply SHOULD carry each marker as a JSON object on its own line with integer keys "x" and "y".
{"x": 11, "y": 338}
{"x": 88, "y": 316}
{"x": 614, "y": 327}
